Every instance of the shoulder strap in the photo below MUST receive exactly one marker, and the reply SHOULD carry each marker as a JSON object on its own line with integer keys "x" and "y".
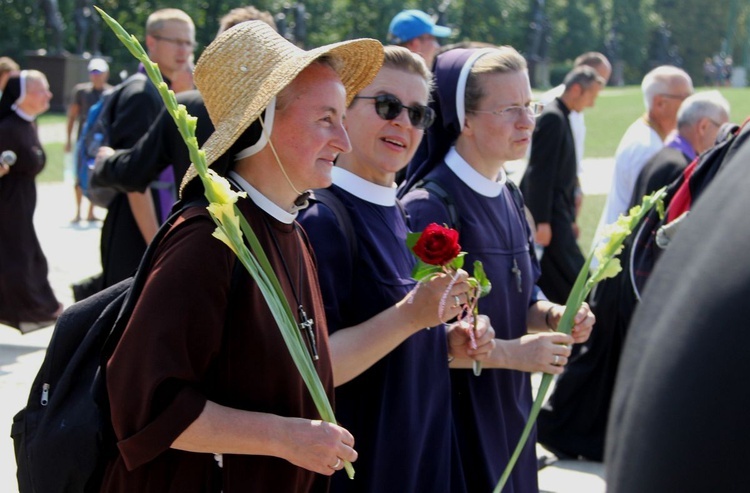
{"x": 329, "y": 199}
{"x": 436, "y": 189}
{"x": 139, "y": 279}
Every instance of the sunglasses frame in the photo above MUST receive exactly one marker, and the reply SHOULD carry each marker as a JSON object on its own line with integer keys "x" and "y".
{"x": 389, "y": 107}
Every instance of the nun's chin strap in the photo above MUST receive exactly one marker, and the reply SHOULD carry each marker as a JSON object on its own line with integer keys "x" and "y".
{"x": 278, "y": 161}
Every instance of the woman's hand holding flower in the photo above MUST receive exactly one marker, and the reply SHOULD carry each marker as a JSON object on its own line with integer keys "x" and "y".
{"x": 424, "y": 304}
{"x": 546, "y": 352}
{"x": 583, "y": 321}
{"x": 460, "y": 339}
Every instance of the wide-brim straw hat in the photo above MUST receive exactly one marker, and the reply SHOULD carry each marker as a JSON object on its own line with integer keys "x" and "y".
{"x": 245, "y": 67}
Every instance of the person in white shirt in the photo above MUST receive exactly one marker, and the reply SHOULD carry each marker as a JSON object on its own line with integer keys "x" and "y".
{"x": 664, "y": 89}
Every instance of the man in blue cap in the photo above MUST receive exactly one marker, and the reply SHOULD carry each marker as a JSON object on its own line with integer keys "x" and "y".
{"x": 417, "y": 31}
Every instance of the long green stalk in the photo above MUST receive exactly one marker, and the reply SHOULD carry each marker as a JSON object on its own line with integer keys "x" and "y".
{"x": 608, "y": 266}
{"x": 230, "y": 227}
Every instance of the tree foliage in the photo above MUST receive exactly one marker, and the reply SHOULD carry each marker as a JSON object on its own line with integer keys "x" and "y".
{"x": 637, "y": 32}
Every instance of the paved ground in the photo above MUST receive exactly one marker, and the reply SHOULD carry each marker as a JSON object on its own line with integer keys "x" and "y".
{"x": 73, "y": 253}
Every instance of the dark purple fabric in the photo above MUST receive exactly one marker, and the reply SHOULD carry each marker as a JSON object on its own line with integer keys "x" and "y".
{"x": 167, "y": 195}
{"x": 399, "y": 409}
{"x": 491, "y": 410}
{"x": 682, "y": 145}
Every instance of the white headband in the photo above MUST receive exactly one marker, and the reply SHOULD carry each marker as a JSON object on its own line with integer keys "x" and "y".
{"x": 461, "y": 85}
{"x": 265, "y": 133}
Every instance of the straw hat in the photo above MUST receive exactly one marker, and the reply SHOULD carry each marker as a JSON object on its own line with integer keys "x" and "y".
{"x": 241, "y": 71}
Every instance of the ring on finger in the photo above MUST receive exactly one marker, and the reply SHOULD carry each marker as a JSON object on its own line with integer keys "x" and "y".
{"x": 337, "y": 464}
{"x": 457, "y": 300}
{"x": 557, "y": 360}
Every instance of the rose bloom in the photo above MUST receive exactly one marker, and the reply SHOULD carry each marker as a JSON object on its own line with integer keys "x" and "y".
{"x": 437, "y": 245}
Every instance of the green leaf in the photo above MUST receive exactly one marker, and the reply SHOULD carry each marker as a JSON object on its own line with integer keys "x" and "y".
{"x": 423, "y": 271}
{"x": 483, "y": 281}
{"x": 411, "y": 240}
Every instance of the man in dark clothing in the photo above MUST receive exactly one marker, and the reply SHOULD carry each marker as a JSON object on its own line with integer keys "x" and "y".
{"x": 574, "y": 420}
{"x": 131, "y": 219}
{"x": 550, "y": 181}
{"x": 698, "y": 121}
{"x": 679, "y": 410}
{"x": 132, "y": 170}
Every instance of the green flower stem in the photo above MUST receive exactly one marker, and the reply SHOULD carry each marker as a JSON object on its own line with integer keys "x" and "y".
{"x": 608, "y": 266}
{"x": 231, "y": 225}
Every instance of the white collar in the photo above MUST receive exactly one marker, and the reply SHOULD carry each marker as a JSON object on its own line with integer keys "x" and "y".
{"x": 22, "y": 113}
{"x": 473, "y": 178}
{"x": 262, "y": 201}
{"x": 365, "y": 190}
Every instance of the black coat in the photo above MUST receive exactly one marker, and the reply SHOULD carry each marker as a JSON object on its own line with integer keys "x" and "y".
{"x": 549, "y": 187}
{"x": 679, "y": 412}
{"x": 131, "y": 170}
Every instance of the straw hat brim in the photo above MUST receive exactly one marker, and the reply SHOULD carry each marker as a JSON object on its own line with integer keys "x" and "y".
{"x": 237, "y": 96}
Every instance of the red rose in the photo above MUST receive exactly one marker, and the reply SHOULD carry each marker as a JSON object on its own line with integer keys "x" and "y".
{"x": 437, "y": 245}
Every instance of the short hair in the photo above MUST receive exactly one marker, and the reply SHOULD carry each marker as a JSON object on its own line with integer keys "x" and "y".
{"x": 707, "y": 104}
{"x": 659, "y": 81}
{"x": 243, "y": 14}
{"x": 155, "y": 22}
{"x": 400, "y": 58}
{"x": 591, "y": 59}
{"x": 7, "y": 64}
{"x": 500, "y": 60}
{"x": 583, "y": 75}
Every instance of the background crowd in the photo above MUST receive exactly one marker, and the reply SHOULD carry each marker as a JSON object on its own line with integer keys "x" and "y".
{"x": 427, "y": 135}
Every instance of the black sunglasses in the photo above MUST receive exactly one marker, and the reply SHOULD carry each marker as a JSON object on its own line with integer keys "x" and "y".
{"x": 389, "y": 107}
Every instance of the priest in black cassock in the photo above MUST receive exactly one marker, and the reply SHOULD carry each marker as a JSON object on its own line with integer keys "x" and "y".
{"x": 550, "y": 182}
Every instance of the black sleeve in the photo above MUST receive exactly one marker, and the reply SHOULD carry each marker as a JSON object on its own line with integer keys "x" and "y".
{"x": 133, "y": 169}
{"x": 136, "y": 108}
{"x": 540, "y": 177}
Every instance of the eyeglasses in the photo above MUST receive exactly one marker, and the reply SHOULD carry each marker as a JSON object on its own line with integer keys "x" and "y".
{"x": 681, "y": 97}
{"x": 388, "y": 107}
{"x": 180, "y": 43}
{"x": 515, "y": 112}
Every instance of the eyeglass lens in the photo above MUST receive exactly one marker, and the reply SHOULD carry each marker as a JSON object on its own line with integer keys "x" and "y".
{"x": 389, "y": 107}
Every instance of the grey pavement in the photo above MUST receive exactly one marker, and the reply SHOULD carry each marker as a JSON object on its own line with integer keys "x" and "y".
{"x": 72, "y": 253}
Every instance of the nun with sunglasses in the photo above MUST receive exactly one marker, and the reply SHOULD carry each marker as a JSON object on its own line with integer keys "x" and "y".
{"x": 389, "y": 345}
{"x": 484, "y": 118}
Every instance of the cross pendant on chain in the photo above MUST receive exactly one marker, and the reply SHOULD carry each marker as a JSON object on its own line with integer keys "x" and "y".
{"x": 306, "y": 324}
{"x": 517, "y": 272}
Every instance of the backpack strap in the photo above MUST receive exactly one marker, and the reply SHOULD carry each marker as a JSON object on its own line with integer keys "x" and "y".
{"x": 438, "y": 191}
{"x": 330, "y": 200}
{"x": 140, "y": 277}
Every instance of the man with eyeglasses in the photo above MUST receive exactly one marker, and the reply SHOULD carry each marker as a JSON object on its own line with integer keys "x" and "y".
{"x": 698, "y": 122}
{"x": 551, "y": 179}
{"x": 132, "y": 220}
{"x": 664, "y": 89}
{"x": 415, "y": 30}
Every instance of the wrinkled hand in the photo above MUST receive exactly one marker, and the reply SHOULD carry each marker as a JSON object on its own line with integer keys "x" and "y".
{"x": 102, "y": 154}
{"x": 583, "y": 323}
{"x": 425, "y": 305}
{"x": 459, "y": 339}
{"x": 318, "y": 445}
{"x": 547, "y": 352}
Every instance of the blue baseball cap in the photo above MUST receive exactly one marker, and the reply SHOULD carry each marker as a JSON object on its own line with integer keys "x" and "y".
{"x": 410, "y": 24}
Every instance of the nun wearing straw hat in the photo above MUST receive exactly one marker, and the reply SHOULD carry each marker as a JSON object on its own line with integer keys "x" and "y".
{"x": 203, "y": 391}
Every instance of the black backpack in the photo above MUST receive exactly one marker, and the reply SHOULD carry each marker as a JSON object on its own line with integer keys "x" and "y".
{"x": 63, "y": 438}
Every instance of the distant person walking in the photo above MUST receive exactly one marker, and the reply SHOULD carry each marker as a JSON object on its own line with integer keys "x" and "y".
{"x": 85, "y": 95}
{"x": 26, "y": 298}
